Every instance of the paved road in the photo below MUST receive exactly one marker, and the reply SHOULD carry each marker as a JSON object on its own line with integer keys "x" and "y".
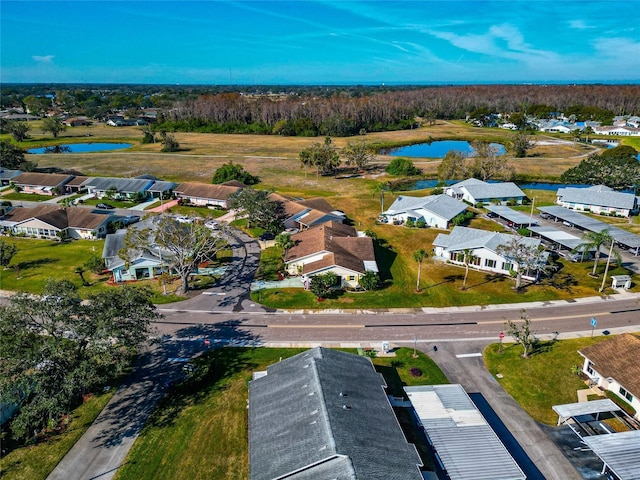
{"x": 227, "y": 314}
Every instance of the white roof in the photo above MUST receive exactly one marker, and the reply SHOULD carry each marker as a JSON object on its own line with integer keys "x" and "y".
{"x": 463, "y": 440}
{"x": 620, "y": 451}
{"x": 569, "y": 410}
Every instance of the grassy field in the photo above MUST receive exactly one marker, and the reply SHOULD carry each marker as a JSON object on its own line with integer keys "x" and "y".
{"x": 35, "y": 462}
{"x": 543, "y": 380}
{"x": 201, "y": 432}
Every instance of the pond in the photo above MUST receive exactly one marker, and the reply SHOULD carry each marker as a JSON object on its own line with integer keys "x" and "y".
{"x": 84, "y": 147}
{"x": 437, "y": 149}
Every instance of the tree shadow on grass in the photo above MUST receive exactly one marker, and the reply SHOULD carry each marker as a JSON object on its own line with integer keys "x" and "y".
{"x": 161, "y": 385}
{"x": 35, "y": 263}
{"x": 489, "y": 278}
{"x": 447, "y": 279}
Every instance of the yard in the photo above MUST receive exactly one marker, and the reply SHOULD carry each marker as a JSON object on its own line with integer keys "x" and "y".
{"x": 200, "y": 431}
{"x": 545, "y": 379}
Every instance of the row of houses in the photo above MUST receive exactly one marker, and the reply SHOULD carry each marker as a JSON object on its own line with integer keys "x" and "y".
{"x": 54, "y": 221}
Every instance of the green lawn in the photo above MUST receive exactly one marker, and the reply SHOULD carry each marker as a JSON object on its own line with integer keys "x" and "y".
{"x": 35, "y": 462}
{"x": 270, "y": 264}
{"x": 40, "y": 260}
{"x": 544, "y": 379}
{"x": 30, "y": 197}
{"x": 200, "y": 431}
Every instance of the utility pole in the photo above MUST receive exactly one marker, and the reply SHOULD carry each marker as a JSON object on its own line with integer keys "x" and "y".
{"x": 606, "y": 269}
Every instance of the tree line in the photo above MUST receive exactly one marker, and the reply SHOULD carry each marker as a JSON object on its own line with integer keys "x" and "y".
{"x": 345, "y": 115}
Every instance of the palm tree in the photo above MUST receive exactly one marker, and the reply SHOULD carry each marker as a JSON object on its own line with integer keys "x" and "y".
{"x": 595, "y": 240}
{"x": 419, "y": 256}
{"x": 467, "y": 258}
{"x": 380, "y": 188}
{"x": 283, "y": 240}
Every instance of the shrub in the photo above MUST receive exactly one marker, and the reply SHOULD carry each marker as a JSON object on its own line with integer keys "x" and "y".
{"x": 402, "y": 167}
{"x": 410, "y": 223}
{"x": 421, "y": 224}
{"x": 415, "y": 372}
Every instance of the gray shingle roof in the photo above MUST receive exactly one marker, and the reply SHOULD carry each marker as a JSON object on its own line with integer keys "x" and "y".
{"x": 483, "y": 190}
{"x": 299, "y": 422}
{"x": 125, "y": 185}
{"x": 441, "y": 205}
{"x": 598, "y": 195}
{"x": 462, "y": 238}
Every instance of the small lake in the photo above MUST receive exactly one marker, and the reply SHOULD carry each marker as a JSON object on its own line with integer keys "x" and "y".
{"x": 85, "y": 147}
{"x": 437, "y": 149}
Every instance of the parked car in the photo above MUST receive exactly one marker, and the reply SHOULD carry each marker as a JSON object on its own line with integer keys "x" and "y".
{"x": 267, "y": 236}
{"x": 212, "y": 224}
{"x": 183, "y": 219}
{"x": 492, "y": 215}
{"x": 580, "y": 257}
{"x": 129, "y": 219}
{"x": 546, "y": 216}
{"x": 105, "y": 206}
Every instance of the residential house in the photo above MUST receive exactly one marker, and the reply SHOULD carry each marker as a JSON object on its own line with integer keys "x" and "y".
{"x": 76, "y": 184}
{"x": 7, "y": 176}
{"x": 623, "y": 131}
{"x": 435, "y": 210}
{"x": 120, "y": 188}
{"x": 42, "y": 183}
{"x": 331, "y": 247}
{"x": 48, "y": 221}
{"x": 324, "y": 414}
{"x": 556, "y": 126}
{"x": 306, "y": 213}
{"x": 207, "y": 195}
{"x": 474, "y": 191}
{"x": 161, "y": 189}
{"x": 614, "y": 365}
{"x": 598, "y": 199}
{"x": 142, "y": 264}
{"x": 484, "y": 246}
{"x": 119, "y": 121}
{"x": 77, "y": 122}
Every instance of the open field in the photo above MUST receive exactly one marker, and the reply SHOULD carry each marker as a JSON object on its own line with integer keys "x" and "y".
{"x": 200, "y": 431}
{"x": 275, "y": 158}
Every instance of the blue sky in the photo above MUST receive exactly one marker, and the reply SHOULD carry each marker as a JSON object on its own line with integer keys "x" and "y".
{"x": 332, "y": 42}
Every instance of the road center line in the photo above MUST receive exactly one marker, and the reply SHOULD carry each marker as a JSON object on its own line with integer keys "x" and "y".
{"x": 546, "y": 319}
{"x": 315, "y": 326}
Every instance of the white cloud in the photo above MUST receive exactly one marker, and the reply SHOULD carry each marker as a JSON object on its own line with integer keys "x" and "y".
{"x": 579, "y": 25}
{"x": 43, "y": 58}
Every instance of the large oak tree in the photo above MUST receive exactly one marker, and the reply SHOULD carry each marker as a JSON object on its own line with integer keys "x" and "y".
{"x": 55, "y": 348}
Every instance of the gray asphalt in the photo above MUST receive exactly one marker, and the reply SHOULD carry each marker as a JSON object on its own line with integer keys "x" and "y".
{"x": 227, "y": 313}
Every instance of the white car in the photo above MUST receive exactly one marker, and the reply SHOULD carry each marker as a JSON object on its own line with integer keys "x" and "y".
{"x": 212, "y": 224}
{"x": 184, "y": 219}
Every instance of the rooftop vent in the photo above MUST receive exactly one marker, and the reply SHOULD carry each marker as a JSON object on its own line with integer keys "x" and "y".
{"x": 343, "y": 394}
{"x": 346, "y": 407}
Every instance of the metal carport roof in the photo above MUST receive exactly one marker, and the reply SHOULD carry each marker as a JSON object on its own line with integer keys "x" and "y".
{"x": 585, "y": 222}
{"x": 557, "y": 236}
{"x": 511, "y": 215}
{"x": 465, "y": 443}
{"x": 618, "y": 451}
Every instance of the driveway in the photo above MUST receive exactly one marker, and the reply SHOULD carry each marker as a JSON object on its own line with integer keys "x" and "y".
{"x": 461, "y": 364}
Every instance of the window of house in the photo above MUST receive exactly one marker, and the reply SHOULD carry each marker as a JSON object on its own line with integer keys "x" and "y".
{"x": 590, "y": 369}
{"x": 352, "y": 278}
{"x": 626, "y": 394}
{"x": 507, "y": 266}
{"x": 476, "y": 261}
{"x": 490, "y": 263}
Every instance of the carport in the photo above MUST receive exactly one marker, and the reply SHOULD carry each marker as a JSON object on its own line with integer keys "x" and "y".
{"x": 622, "y": 237}
{"x": 464, "y": 443}
{"x": 557, "y": 236}
{"x": 518, "y": 219}
{"x": 618, "y": 451}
